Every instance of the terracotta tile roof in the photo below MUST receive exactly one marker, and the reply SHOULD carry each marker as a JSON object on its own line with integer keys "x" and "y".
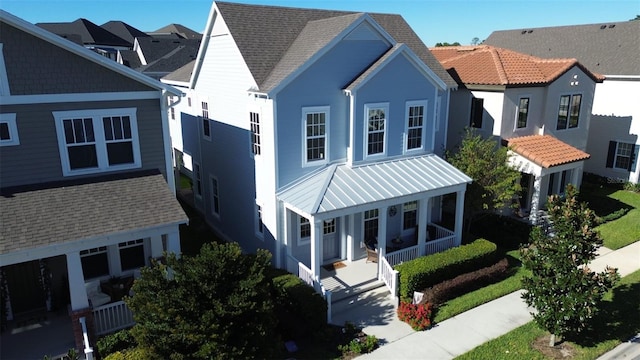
{"x": 489, "y": 65}
{"x": 546, "y": 151}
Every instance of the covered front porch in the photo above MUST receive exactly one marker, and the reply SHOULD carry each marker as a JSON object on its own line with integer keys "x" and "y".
{"x": 382, "y": 213}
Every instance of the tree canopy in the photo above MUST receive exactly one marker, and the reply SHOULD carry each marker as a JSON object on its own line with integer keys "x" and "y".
{"x": 215, "y": 305}
{"x": 440, "y": 44}
{"x": 561, "y": 287}
{"x": 495, "y": 183}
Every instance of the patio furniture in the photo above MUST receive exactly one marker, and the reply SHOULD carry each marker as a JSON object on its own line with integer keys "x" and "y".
{"x": 95, "y": 295}
{"x": 372, "y": 252}
{"x": 117, "y": 287}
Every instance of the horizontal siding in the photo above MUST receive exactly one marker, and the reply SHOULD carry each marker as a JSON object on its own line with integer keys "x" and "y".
{"x": 37, "y": 158}
{"x": 35, "y": 66}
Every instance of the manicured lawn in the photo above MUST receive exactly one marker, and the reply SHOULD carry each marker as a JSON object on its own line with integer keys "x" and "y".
{"x": 614, "y": 324}
{"x": 606, "y": 199}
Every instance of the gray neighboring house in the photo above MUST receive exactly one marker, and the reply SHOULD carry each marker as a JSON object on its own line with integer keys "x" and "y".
{"x": 608, "y": 48}
{"x": 87, "y": 189}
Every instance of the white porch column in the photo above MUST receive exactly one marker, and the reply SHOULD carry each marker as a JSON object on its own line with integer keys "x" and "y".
{"x": 286, "y": 236}
{"x": 423, "y": 221}
{"x": 173, "y": 242}
{"x": 535, "y": 198}
{"x": 316, "y": 246}
{"x": 156, "y": 246}
{"x": 382, "y": 236}
{"x": 77, "y": 290}
{"x": 459, "y": 216}
{"x": 346, "y": 241}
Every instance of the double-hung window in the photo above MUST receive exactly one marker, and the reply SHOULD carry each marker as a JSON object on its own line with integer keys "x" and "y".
{"x": 622, "y": 155}
{"x": 316, "y": 126}
{"x": 304, "y": 227}
{"x": 569, "y": 111}
{"x": 376, "y": 125}
{"x": 92, "y": 141}
{"x": 523, "y": 113}
{"x": 254, "y": 123}
{"x": 215, "y": 196}
{"x": 415, "y": 112}
{"x": 206, "y": 123}
{"x": 8, "y": 130}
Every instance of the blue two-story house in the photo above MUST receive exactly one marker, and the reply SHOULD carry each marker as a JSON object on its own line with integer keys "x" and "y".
{"x": 319, "y": 132}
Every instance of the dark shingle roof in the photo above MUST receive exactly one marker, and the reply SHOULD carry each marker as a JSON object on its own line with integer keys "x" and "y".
{"x": 130, "y": 58}
{"x": 56, "y": 213}
{"x": 606, "y": 48}
{"x": 90, "y": 33}
{"x": 123, "y": 30}
{"x": 263, "y": 44}
{"x": 183, "y": 74}
{"x": 154, "y": 48}
{"x": 174, "y": 59}
{"x": 183, "y": 31}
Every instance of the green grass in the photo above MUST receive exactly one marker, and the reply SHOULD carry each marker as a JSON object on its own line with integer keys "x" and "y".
{"x": 613, "y": 325}
{"x": 185, "y": 181}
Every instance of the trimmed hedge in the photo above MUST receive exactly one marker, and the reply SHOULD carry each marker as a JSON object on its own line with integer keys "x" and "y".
{"x": 302, "y": 312}
{"x": 426, "y": 271}
{"x": 465, "y": 283}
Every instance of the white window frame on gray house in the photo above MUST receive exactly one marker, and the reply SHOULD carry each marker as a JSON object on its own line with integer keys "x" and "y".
{"x": 9, "y": 126}
{"x": 87, "y": 128}
{"x": 206, "y": 122}
{"x": 630, "y": 152}
{"x": 315, "y": 128}
{"x": 415, "y": 125}
{"x": 197, "y": 175}
{"x": 304, "y": 230}
{"x": 374, "y": 125}
{"x": 254, "y": 126}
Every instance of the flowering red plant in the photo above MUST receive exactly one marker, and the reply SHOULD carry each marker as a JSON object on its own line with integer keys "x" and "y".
{"x": 416, "y": 315}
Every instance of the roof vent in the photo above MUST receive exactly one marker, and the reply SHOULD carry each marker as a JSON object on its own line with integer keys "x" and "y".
{"x": 523, "y": 32}
{"x": 603, "y": 27}
{"x": 529, "y": 32}
{"x": 612, "y": 26}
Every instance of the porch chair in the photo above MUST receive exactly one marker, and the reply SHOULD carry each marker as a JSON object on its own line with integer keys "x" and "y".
{"x": 372, "y": 252}
{"x": 95, "y": 295}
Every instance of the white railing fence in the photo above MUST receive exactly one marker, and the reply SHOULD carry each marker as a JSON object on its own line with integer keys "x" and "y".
{"x": 305, "y": 274}
{"x": 402, "y": 255}
{"x": 389, "y": 276}
{"x": 88, "y": 350}
{"x": 439, "y": 245}
{"x": 112, "y": 317}
{"x": 441, "y": 232}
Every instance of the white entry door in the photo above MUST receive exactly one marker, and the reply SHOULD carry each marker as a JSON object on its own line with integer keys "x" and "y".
{"x": 330, "y": 242}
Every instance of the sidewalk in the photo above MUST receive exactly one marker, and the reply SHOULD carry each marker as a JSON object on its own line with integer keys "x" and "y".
{"x": 455, "y": 336}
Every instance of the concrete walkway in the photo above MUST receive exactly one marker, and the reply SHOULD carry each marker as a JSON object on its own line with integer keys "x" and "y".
{"x": 375, "y": 313}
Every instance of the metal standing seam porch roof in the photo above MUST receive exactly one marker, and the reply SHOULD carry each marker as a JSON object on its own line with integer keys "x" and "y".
{"x": 342, "y": 186}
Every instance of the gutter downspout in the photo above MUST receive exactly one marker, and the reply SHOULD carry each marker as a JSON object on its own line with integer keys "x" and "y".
{"x": 166, "y": 139}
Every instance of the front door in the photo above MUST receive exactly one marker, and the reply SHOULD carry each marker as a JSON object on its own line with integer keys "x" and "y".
{"x": 25, "y": 288}
{"x": 330, "y": 241}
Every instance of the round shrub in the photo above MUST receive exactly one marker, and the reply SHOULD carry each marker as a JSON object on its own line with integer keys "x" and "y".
{"x": 301, "y": 310}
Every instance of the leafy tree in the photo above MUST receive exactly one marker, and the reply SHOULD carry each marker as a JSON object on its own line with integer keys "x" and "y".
{"x": 562, "y": 288}
{"x": 440, "y": 44}
{"x": 475, "y": 41}
{"x": 636, "y": 18}
{"x": 215, "y": 305}
{"x": 495, "y": 183}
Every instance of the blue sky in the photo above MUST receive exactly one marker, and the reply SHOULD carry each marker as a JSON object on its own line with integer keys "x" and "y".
{"x": 433, "y": 20}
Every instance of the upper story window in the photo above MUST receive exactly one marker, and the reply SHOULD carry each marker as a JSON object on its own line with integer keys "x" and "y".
{"x": 415, "y": 122}
{"x": 569, "y": 111}
{"x": 215, "y": 197}
{"x": 477, "y": 110}
{"x": 376, "y": 125}
{"x": 8, "y": 130}
{"x": 173, "y": 113}
{"x": 523, "y": 113}
{"x": 254, "y": 122}
{"x": 206, "y": 124}
{"x": 92, "y": 141}
{"x": 316, "y": 123}
{"x": 197, "y": 174}
{"x": 259, "y": 223}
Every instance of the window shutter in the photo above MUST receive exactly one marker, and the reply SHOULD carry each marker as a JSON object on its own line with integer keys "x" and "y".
{"x": 611, "y": 156}
{"x": 634, "y": 158}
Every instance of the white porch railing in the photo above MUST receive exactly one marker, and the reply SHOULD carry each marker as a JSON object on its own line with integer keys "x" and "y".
{"x": 402, "y": 255}
{"x": 112, "y": 317}
{"x": 444, "y": 239}
{"x": 88, "y": 350}
{"x": 298, "y": 268}
{"x": 389, "y": 276}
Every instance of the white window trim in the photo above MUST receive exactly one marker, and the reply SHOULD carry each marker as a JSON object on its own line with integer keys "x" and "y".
{"x": 515, "y": 121}
{"x": 368, "y": 107}
{"x": 101, "y": 149}
{"x": 615, "y": 155}
{"x": 207, "y": 119}
{"x": 10, "y": 120}
{"x": 365, "y": 219}
{"x": 255, "y": 146}
{"x": 404, "y": 210}
{"x": 314, "y": 110}
{"x": 302, "y": 240}
{"x": 4, "y": 81}
{"x": 214, "y": 197}
{"x": 409, "y": 104}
